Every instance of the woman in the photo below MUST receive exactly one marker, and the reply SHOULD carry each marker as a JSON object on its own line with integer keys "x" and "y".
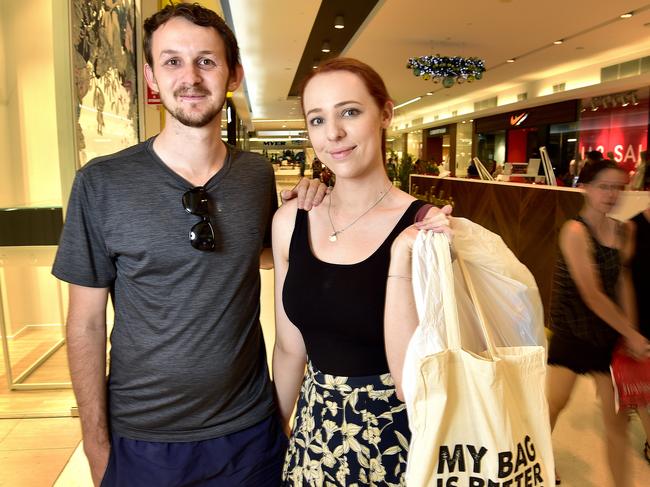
{"x": 639, "y": 227}
{"x": 349, "y": 427}
{"x": 591, "y": 306}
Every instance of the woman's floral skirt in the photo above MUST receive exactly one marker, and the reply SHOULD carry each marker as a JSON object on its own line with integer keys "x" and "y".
{"x": 348, "y": 431}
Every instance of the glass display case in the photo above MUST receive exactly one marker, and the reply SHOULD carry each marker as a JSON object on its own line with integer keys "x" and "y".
{"x": 32, "y": 301}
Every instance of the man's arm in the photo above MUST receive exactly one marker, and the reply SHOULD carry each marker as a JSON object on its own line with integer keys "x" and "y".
{"x": 309, "y": 193}
{"x": 86, "y": 342}
{"x": 266, "y": 259}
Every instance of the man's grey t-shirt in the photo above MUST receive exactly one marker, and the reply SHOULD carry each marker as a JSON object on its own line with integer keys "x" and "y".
{"x": 187, "y": 353}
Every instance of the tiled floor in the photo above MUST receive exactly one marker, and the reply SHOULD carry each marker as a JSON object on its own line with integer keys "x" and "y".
{"x": 24, "y": 350}
{"x": 34, "y": 452}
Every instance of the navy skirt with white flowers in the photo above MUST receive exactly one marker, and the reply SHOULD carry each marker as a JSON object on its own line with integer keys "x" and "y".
{"x": 348, "y": 431}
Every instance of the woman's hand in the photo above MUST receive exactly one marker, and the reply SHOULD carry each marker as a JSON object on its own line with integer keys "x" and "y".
{"x": 638, "y": 345}
{"x": 437, "y": 219}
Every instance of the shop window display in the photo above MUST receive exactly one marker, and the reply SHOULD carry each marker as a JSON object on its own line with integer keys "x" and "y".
{"x": 34, "y": 161}
{"x": 617, "y": 126}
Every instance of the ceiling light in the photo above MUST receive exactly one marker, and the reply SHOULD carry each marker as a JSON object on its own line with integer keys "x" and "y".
{"x": 314, "y": 64}
{"x": 408, "y": 102}
{"x": 572, "y": 140}
{"x": 627, "y": 15}
{"x": 429, "y": 93}
{"x": 338, "y": 22}
{"x": 511, "y": 60}
{"x": 326, "y": 47}
{"x": 558, "y": 42}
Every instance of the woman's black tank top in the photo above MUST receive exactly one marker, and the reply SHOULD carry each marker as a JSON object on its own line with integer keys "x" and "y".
{"x": 339, "y": 308}
{"x": 570, "y": 316}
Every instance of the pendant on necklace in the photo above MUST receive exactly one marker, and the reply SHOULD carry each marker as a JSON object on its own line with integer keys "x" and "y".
{"x": 332, "y": 237}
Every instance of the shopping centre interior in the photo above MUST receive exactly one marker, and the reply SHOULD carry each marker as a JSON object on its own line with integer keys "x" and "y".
{"x": 561, "y": 79}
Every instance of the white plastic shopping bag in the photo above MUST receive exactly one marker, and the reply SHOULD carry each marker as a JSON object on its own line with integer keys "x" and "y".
{"x": 479, "y": 418}
{"x": 505, "y": 289}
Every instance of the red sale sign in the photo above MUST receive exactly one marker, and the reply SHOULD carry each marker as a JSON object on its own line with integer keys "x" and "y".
{"x": 620, "y": 133}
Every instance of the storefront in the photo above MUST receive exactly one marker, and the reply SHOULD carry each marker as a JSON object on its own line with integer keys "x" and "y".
{"x": 439, "y": 145}
{"x": 432, "y": 146}
{"x": 616, "y": 125}
{"x": 516, "y": 137}
{"x": 66, "y": 99}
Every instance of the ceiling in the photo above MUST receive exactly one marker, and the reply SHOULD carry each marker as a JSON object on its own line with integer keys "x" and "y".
{"x": 274, "y": 34}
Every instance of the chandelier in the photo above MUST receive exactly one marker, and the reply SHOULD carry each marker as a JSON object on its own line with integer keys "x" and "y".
{"x": 448, "y": 70}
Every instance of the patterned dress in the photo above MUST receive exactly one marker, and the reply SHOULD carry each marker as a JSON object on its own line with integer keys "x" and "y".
{"x": 350, "y": 428}
{"x": 348, "y": 431}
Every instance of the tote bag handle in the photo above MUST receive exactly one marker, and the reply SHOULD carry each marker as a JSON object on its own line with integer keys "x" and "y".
{"x": 477, "y": 306}
{"x": 438, "y": 252}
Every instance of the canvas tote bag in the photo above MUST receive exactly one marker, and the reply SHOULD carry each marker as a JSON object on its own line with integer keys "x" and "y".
{"x": 477, "y": 420}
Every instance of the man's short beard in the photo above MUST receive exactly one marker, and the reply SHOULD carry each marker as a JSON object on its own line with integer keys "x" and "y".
{"x": 193, "y": 120}
{"x": 188, "y": 119}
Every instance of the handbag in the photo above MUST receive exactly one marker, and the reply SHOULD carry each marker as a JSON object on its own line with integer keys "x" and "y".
{"x": 477, "y": 419}
{"x": 631, "y": 379}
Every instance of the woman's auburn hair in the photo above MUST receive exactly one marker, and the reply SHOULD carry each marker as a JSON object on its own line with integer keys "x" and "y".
{"x": 371, "y": 79}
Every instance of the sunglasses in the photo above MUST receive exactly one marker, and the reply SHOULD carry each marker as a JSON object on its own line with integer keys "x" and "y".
{"x": 197, "y": 202}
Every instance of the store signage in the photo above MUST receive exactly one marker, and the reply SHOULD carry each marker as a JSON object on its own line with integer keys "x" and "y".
{"x": 440, "y": 131}
{"x": 619, "y": 132}
{"x": 516, "y": 120}
{"x": 153, "y": 97}
{"x": 275, "y": 142}
{"x": 622, "y": 99}
{"x": 625, "y": 154}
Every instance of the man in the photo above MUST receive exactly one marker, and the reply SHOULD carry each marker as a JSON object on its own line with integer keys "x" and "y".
{"x": 189, "y": 401}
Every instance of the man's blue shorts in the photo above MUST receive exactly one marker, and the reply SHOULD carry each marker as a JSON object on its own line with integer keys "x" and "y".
{"x": 250, "y": 458}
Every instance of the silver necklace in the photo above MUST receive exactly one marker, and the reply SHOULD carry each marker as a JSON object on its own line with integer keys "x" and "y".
{"x": 334, "y": 235}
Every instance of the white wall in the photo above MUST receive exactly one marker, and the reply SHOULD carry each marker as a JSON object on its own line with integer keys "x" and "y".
{"x": 29, "y": 164}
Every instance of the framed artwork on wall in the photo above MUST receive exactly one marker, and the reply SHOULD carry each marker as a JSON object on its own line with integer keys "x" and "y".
{"x": 104, "y": 76}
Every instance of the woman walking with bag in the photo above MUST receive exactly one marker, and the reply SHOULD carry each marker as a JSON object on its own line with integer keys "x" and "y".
{"x": 591, "y": 307}
{"x": 349, "y": 427}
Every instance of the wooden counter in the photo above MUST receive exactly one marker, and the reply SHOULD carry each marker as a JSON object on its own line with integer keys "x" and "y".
{"x": 528, "y": 217}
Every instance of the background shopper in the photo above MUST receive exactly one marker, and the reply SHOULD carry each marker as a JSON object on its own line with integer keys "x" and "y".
{"x": 591, "y": 306}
